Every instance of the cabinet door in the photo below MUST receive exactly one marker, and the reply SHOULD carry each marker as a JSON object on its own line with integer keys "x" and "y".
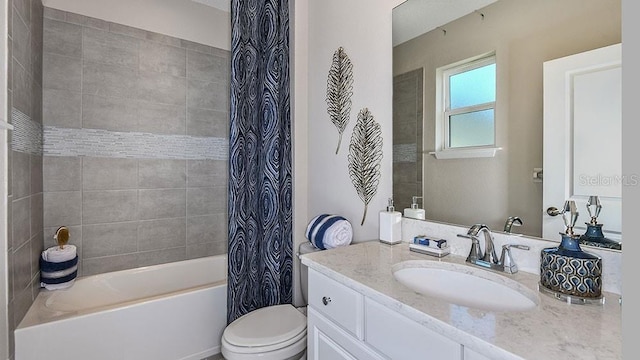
{"x": 327, "y": 341}
{"x": 325, "y": 348}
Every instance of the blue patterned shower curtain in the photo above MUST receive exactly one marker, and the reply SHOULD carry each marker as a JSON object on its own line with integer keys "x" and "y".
{"x": 260, "y": 185}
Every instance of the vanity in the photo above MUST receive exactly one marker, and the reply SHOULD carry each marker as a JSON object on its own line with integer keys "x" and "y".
{"x": 359, "y": 310}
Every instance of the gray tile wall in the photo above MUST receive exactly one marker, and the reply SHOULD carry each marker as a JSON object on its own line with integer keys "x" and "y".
{"x": 407, "y": 138}
{"x": 135, "y": 143}
{"x": 25, "y": 190}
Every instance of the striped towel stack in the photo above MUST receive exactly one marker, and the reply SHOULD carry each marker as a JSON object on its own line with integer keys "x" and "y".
{"x": 58, "y": 267}
{"x": 329, "y": 231}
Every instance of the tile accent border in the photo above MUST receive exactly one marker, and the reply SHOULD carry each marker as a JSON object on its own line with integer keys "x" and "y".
{"x": 136, "y": 145}
{"x": 27, "y": 134}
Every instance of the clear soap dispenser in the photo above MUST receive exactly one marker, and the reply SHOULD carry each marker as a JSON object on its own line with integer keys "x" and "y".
{"x": 390, "y": 225}
{"x": 414, "y": 212}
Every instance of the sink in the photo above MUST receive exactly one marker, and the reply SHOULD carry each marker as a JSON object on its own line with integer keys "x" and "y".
{"x": 465, "y": 285}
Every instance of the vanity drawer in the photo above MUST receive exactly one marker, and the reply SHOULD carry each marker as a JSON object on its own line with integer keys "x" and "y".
{"x": 337, "y": 302}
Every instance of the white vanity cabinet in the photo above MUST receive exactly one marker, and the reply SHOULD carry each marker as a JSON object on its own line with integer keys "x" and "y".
{"x": 335, "y": 319}
{"x": 344, "y": 324}
{"x": 369, "y": 314}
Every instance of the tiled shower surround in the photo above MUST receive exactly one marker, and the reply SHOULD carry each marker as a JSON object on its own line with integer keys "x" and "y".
{"x": 24, "y": 202}
{"x": 135, "y": 130}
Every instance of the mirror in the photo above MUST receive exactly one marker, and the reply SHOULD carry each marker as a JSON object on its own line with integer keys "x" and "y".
{"x": 524, "y": 35}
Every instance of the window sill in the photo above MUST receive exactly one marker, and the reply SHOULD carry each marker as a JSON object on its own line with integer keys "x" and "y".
{"x": 465, "y": 153}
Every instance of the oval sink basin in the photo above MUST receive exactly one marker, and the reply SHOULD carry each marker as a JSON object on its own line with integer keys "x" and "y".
{"x": 465, "y": 285}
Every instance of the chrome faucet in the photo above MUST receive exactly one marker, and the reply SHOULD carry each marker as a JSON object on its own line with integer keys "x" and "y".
{"x": 511, "y": 221}
{"x": 488, "y": 259}
{"x": 489, "y": 249}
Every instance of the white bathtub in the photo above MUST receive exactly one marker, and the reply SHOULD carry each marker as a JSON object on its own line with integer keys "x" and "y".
{"x": 170, "y": 311}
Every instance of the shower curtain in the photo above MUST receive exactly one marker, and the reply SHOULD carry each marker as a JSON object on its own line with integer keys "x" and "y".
{"x": 260, "y": 216}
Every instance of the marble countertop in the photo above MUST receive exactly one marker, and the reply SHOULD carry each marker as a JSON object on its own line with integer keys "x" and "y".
{"x": 552, "y": 330}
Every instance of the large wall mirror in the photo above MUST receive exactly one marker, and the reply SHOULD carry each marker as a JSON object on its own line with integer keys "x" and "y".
{"x": 523, "y": 35}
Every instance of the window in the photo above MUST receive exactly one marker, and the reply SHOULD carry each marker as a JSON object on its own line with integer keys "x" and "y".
{"x": 465, "y": 111}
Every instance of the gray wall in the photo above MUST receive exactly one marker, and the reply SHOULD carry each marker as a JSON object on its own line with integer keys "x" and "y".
{"x": 24, "y": 157}
{"x": 135, "y": 143}
{"x": 524, "y": 34}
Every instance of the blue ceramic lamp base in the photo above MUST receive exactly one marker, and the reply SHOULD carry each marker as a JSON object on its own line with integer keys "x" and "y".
{"x": 595, "y": 237}
{"x": 570, "y": 274}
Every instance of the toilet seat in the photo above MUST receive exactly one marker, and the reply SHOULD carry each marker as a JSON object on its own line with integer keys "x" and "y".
{"x": 298, "y": 343}
{"x": 268, "y": 329}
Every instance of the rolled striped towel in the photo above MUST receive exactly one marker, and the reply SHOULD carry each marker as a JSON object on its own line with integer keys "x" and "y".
{"x": 329, "y": 231}
{"x": 58, "y": 267}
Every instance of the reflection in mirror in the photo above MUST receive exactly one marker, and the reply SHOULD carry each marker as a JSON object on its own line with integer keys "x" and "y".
{"x": 407, "y": 138}
{"x": 577, "y": 144}
{"x": 523, "y": 35}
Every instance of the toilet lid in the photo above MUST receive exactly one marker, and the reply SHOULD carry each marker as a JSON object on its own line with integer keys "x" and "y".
{"x": 266, "y": 326}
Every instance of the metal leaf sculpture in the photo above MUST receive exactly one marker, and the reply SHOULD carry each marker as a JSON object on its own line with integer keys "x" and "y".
{"x": 339, "y": 91}
{"x": 365, "y": 154}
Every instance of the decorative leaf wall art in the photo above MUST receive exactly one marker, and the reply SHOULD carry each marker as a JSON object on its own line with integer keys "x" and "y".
{"x": 365, "y": 155}
{"x": 339, "y": 91}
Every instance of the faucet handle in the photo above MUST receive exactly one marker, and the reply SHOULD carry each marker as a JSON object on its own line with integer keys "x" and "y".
{"x": 506, "y": 258}
{"x": 475, "y": 253}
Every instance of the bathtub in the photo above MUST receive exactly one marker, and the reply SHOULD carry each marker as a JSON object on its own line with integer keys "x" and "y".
{"x": 170, "y": 311}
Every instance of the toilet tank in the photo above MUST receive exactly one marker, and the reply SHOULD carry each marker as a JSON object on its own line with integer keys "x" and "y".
{"x": 305, "y": 248}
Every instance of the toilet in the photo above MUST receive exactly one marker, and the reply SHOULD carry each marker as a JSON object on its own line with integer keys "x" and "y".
{"x": 276, "y": 332}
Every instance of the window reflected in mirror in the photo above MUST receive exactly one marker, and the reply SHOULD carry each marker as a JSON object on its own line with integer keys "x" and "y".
{"x": 469, "y": 95}
{"x": 472, "y": 129}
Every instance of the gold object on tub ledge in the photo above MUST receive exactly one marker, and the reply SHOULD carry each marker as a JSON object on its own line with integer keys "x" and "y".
{"x": 62, "y": 236}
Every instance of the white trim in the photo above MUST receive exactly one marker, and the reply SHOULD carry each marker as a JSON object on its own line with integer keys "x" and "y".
{"x": 5, "y": 126}
{"x": 465, "y": 153}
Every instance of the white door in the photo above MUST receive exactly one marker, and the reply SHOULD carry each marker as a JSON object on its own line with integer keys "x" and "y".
{"x": 582, "y": 138}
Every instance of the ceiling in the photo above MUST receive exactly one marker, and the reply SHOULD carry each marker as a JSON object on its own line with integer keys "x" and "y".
{"x": 415, "y": 17}
{"x": 411, "y": 18}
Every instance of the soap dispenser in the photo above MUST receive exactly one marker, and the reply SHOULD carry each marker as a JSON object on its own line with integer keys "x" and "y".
{"x": 414, "y": 212}
{"x": 390, "y": 225}
{"x": 568, "y": 273}
{"x": 594, "y": 236}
